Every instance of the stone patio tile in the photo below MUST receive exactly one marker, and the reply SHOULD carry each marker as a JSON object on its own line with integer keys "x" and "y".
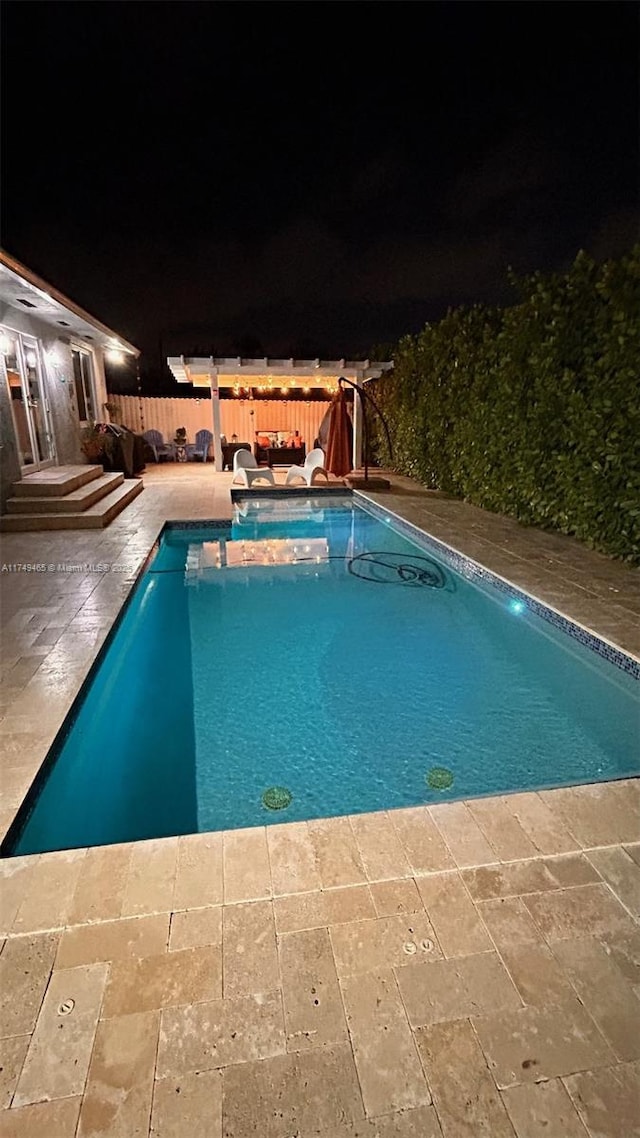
{"x": 288, "y": 1095}
{"x": 196, "y": 928}
{"x": 586, "y": 910}
{"x": 293, "y": 859}
{"x": 572, "y": 869}
{"x": 543, "y": 828}
{"x": 390, "y": 897}
{"x": 422, "y": 1122}
{"x": 421, "y": 840}
{"x": 634, "y": 851}
{"x": 621, "y": 873}
{"x": 25, "y": 967}
{"x": 389, "y": 1070}
{"x": 101, "y": 885}
{"x": 15, "y": 880}
{"x": 607, "y": 1100}
{"x": 189, "y": 1106}
{"x": 337, "y": 855}
{"x": 623, "y": 798}
{"x": 26, "y": 667}
{"x": 455, "y": 918}
{"x": 380, "y": 848}
{"x": 25, "y": 748}
{"x": 604, "y": 991}
{"x": 201, "y": 1037}
{"x": 152, "y": 872}
{"x": 536, "y": 973}
{"x": 462, "y": 834}
{"x": 58, "y": 1057}
{"x": 537, "y": 1043}
{"x": 535, "y": 876}
{"x": 508, "y": 922}
{"x": 319, "y": 909}
{"x": 247, "y": 874}
{"x": 313, "y": 1011}
{"x": 44, "y": 1120}
{"x": 501, "y": 828}
{"x": 199, "y": 871}
{"x": 12, "y": 1056}
{"x": 184, "y": 977}
{"x": 49, "y": 896}
{"x": 113, "y": 940}
{"x": 456, "y": 989}
{"x": 464, "y": 1093}
{"x": 623, "y": 945}
{"x": 249, "y": 949}
{"x": 388, "y": 942}
{"x": 543, "y": 1110}
{"x": 15, "y": 784}
{"x": 601, "y": 814}
{"x": 117, "y": 1101}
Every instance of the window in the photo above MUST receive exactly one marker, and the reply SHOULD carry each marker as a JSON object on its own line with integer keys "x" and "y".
{"x": 83, "y": 380}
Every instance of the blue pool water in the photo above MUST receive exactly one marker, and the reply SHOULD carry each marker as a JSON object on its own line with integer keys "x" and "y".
{"x": 313, "y": 647}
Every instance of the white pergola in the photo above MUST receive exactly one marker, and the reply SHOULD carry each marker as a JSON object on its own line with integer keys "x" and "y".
{"x": 263, "y": 374}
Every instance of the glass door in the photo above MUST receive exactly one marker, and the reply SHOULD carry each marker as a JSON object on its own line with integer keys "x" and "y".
{"x": 29, "y": 407}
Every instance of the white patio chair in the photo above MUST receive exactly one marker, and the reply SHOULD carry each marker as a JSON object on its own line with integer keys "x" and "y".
{"x": 245, "y": 467}
{"x": 313, "y": 467}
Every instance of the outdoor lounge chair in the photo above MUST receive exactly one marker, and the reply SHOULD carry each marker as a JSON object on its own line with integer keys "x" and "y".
{"x": 200, "y": 448}
{"x": 313, "y": 466}
{"x": 245, "y": 467}
{"x": 158, "y": 445}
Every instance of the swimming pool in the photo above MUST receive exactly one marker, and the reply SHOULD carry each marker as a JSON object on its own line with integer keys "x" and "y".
{"x": 320, "y": 657}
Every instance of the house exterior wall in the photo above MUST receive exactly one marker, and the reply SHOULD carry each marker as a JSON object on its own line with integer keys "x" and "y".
{"x": 60, "y": 391}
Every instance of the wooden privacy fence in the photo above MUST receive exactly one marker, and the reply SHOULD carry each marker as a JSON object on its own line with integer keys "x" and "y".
{"x": 241, "y": 417}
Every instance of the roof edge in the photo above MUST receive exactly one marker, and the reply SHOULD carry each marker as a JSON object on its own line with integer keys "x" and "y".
{"x": 53, "y": 293}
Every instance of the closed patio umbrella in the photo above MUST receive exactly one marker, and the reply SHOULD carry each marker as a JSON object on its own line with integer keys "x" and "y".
{"x": 340, "y": 442}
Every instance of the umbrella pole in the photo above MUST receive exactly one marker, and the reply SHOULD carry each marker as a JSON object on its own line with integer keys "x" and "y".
{"x": 364, "y": 398}
{"x": 365, "y": 435}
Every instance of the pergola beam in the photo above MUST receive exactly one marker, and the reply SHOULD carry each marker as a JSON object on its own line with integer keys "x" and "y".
{"x": 231, "y": 371}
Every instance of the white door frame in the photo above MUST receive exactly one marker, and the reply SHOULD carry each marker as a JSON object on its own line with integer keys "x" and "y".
{"x": 25, "y": 342}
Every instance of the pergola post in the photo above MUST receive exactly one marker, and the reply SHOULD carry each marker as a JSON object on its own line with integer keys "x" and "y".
{"x": 215, "y": 414}
{"x": 357, "y": 423}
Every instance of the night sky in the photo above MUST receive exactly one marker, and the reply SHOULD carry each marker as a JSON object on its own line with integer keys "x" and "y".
{"x": 311, "y": 178}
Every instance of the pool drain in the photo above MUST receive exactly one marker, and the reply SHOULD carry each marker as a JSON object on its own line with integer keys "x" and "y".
{"x": 276, "y": 798}
{"x": 439, "y": 778}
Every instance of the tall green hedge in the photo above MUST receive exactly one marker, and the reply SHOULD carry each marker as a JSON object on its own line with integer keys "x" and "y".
{"x": 531, "y": 410}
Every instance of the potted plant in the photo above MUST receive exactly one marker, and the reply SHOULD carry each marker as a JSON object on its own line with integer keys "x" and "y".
{"x": 180, "y": 444}
{"x": 96, "y": 442}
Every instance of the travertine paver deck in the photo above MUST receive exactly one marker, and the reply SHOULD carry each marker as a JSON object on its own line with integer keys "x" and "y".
{"x": 465, "y": 970}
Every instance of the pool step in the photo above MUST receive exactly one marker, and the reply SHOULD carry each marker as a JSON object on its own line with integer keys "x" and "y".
{"x": 56, "y": 481}
{"x": 72, "y": 503}
{"x": 95, "y": 516}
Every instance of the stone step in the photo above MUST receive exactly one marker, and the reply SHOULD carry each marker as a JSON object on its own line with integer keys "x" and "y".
{"x": 56, "y": 481}
{"x": 95, "y": 517}
{"x": 73, "y": 503}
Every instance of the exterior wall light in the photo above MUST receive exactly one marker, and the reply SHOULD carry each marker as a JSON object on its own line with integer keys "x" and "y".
{"x": 115, "y": 356}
